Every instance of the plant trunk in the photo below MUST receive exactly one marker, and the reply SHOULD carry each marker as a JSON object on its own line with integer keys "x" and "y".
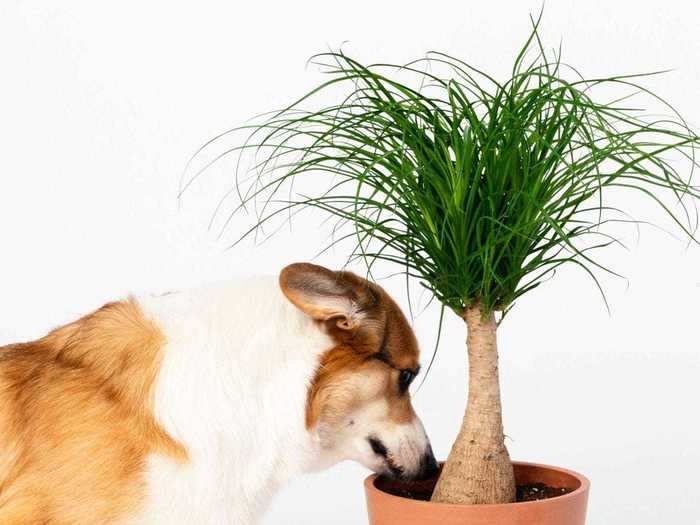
{"x": 478, "y": 469}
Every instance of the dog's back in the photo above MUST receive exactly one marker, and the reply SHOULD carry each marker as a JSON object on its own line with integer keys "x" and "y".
{"x": 75, "y": 420}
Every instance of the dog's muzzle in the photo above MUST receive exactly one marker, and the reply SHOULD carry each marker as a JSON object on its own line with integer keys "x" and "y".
{"x": 426, "y": 468}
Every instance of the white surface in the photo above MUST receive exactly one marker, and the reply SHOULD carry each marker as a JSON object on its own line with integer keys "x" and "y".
{"x": 101, "y": 105}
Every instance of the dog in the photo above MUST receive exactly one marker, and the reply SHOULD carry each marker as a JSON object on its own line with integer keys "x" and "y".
{"x": 195, "y": 407}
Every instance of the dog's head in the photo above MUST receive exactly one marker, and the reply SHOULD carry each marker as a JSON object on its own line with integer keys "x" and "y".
{"x": 359, "y": 403}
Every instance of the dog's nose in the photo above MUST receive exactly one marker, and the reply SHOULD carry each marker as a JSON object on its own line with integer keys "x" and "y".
{"x": 428, "y": 465}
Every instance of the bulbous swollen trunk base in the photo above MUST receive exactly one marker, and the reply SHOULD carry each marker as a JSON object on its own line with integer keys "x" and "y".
{"x": 478, "y": 469}
{"x": 475, "y": 474}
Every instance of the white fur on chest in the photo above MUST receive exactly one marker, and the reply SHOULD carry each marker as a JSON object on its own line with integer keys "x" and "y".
{"x": 232, "y": 388}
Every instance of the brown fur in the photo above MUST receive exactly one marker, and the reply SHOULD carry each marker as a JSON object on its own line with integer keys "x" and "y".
{"x": 76, "y": 423}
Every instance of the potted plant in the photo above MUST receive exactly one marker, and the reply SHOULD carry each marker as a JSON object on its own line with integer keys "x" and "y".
{"x": 479, "y": 189}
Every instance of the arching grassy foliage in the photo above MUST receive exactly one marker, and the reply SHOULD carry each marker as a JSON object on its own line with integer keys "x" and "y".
{"x": 478, "y": 188}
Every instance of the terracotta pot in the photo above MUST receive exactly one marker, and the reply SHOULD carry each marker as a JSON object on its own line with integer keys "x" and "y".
{"x": 569, "y": 509}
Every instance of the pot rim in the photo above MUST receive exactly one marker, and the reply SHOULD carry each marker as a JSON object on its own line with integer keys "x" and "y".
{"x": 582, "y": 489}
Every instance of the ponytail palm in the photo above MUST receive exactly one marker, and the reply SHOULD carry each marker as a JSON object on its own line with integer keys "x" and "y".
{"x": 478, "y": 188}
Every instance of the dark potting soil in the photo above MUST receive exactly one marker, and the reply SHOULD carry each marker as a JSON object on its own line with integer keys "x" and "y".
{"x": 537, "y": 491}
{"x": 423, "y": 490}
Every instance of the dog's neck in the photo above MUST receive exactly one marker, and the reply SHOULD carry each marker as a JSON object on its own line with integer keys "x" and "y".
{"x": 232, "y": 389}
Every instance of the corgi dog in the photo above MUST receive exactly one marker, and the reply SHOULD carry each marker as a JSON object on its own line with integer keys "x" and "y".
{"x": 195, "y": 407}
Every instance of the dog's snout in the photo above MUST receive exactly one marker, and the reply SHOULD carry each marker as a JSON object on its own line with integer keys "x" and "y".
{"x": 401, "y": 451}
{"x": 428, "y": 466}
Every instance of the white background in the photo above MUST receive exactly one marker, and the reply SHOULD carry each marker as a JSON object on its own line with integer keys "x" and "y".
{"x": 102, "y": 103}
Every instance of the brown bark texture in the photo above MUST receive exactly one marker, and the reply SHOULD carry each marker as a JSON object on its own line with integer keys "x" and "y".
{"x": 478, "y": 469}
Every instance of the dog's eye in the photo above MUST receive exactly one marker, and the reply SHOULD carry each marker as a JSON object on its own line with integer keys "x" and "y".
{"x": 405, "y": 378}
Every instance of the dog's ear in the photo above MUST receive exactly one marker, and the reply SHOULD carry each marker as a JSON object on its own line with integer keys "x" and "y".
{"x": 322, "y": 294}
